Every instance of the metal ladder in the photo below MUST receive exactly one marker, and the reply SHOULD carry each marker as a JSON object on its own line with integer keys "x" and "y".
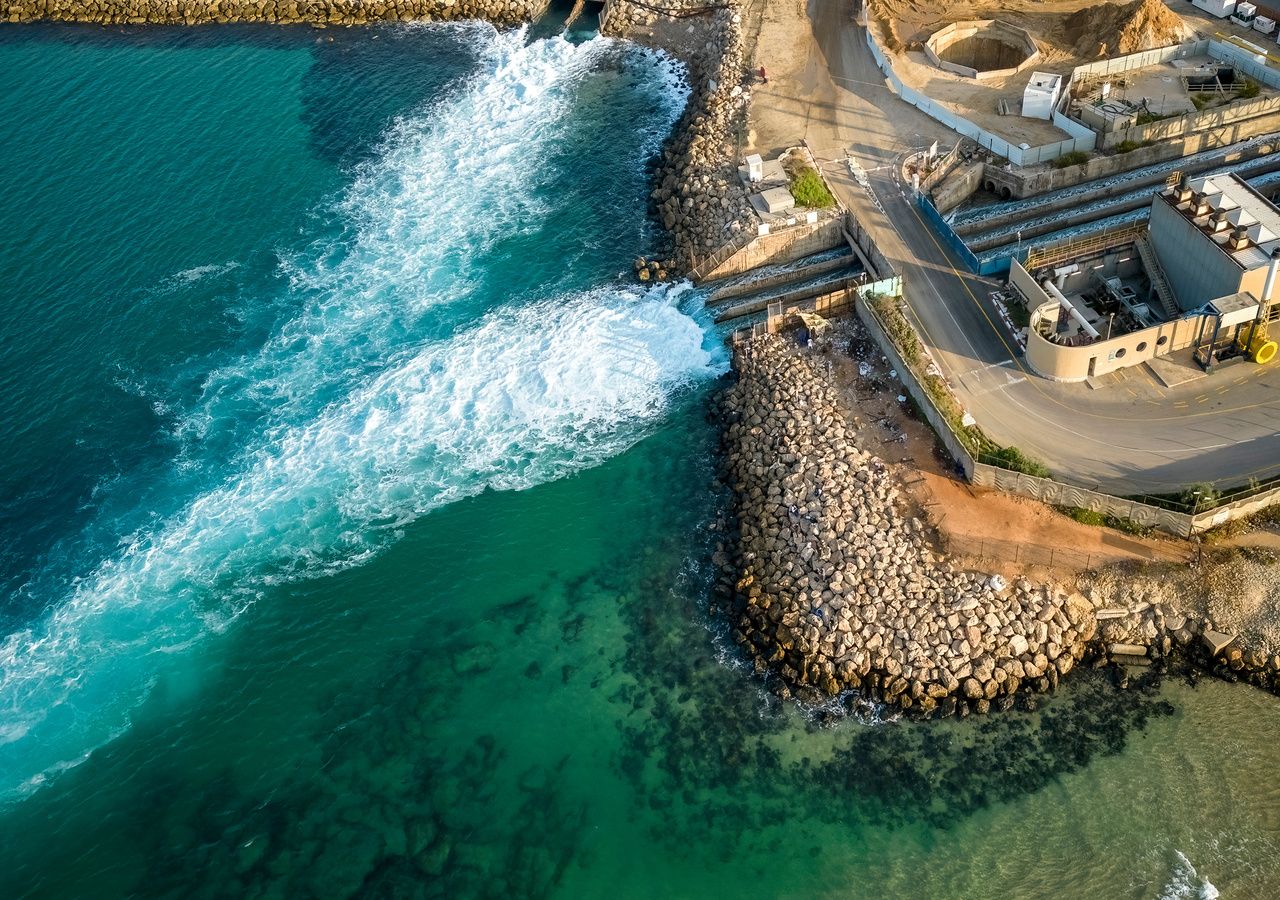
{"x": 1159, "y": 280}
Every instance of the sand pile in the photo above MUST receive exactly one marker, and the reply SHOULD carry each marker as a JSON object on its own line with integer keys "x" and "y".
{"x": 1113, "y": 30}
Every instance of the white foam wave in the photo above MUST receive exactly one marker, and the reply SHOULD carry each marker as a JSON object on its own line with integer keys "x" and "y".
{"x": 422, "y": 219}
{"x": 368, "y": 421}
{"x": 1185, "y": 883}
{"x": 523, "y": 397}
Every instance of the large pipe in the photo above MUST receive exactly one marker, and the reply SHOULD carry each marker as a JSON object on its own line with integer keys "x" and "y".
{"x": 1271, "y": 276}
{"x": 1075, "y": 313}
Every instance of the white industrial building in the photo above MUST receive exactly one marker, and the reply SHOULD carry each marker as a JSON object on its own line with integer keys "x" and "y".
{"x": 1041, "y": 95}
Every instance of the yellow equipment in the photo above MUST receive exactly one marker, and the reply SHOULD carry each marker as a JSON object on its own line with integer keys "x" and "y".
{"x": 1261, "y": 349}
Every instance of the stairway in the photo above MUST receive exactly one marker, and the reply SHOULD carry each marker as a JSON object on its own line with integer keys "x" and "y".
{"x": 1159, "y": 280}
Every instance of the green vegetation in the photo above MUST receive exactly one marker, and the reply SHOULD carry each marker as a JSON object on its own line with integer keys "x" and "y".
{"x": 1074, "y": 158}
{"x": 1200, "y": 496}
{"x": 1248, "y": 90}
{"x": 1018, "y": 314}
{"x": 809, "y": 189}
{"x": 1084, "y": 516}
{"x": 1146, "y": 118}
{"x": 1130, "y": 146}
{"x": 1015, "y": 459}
{"x": 1102, "y": 520}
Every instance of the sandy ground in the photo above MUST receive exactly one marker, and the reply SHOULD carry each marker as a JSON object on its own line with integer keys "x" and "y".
{"x": 962, "y": 514}
{"x": 978, "y": 101}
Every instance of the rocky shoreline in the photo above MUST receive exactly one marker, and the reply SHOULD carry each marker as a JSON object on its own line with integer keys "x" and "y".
{"x": 314, "y": 12}
{"x": 831, "y": 585}
{"x": 696, "y": 195}
{"x": 829, "y": 582}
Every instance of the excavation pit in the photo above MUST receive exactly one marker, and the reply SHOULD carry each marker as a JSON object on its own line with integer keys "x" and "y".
{"x": 985, "y": 48}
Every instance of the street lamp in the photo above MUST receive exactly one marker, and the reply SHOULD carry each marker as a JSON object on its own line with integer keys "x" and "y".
{"x": 1111, "y": 318}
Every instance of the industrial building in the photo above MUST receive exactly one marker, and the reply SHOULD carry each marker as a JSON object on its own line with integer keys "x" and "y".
{"x": 1214, "y": 236}
{"x": 1200, "y": 280}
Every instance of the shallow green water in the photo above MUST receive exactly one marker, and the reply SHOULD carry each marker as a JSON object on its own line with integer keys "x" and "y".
{"x": 354, "y": 517}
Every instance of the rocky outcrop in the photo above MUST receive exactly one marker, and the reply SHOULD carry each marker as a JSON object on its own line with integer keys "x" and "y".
{"x": 1145, "y": 620}
{"x": 833, "y": 587}
{"x": 697, "y": 195}
{"x": 328, "y": 12}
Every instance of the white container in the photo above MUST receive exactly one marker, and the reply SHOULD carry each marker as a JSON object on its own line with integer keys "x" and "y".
{"x": 1219, "y": 8}
{"x": 755, "y": 168}
{"x": 1263, "y": 25}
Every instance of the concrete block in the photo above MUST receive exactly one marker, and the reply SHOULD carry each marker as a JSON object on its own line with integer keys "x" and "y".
{"x": 777, "y": 200}
{"x": 1216, "y": 641}
{"x": 1128, "y": 650}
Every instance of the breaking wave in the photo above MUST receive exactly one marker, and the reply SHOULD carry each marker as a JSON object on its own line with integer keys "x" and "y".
{"x": 371, "y": 406}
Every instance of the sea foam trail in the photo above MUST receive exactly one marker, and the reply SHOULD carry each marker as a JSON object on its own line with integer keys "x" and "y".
{"x": 422, "y": 220}
{"x": 1185, "y": 883}
{"x": 368, "y": 425}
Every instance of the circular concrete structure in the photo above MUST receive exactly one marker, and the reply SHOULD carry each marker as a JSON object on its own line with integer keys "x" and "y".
{"x": 983, "y": 48}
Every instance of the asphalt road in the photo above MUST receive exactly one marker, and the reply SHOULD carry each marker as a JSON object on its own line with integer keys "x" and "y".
{"x": 1132, "y": 435}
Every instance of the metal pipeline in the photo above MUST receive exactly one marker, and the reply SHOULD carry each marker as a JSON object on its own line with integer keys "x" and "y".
{"x": 1271, "y": 276}
{"x": 1075, "y": 313}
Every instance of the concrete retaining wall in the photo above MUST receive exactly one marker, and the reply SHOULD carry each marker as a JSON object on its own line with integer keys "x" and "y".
{"x": 1047, "y": 490}
{"x": 958, "y": 188}
{"x": 781, "y": 247}
{"x": 1233, "y": 122}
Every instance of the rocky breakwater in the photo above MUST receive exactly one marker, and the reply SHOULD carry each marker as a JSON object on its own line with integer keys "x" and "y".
{"x": 697, "y": 194}
{"x": 326, "y": 12}
{"x": 832, "y": 585}
{"x": 1220, "y": 616}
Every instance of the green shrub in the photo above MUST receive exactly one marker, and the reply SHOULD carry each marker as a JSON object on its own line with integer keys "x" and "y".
{"x": 1248, "y": 90}
{"x": 1127, "y": 146}
{"x": 809, "y": 190}
{"x": 1127, "y": 525}
{"x": 1015, "y": 459}
{"x": 1199, "y": 497}
{"x": 1074, "y": 158}
{"x": 1084, "y": 516}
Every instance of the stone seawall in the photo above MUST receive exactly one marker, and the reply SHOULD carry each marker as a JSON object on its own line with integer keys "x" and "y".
{"x": 327, "y": 12}
{"x": 833, "y": 585}
{"x": 696, "y": 195}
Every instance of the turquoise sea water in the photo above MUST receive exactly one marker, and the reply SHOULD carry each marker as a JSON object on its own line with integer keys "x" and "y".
{"x": 353, "y": 522}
